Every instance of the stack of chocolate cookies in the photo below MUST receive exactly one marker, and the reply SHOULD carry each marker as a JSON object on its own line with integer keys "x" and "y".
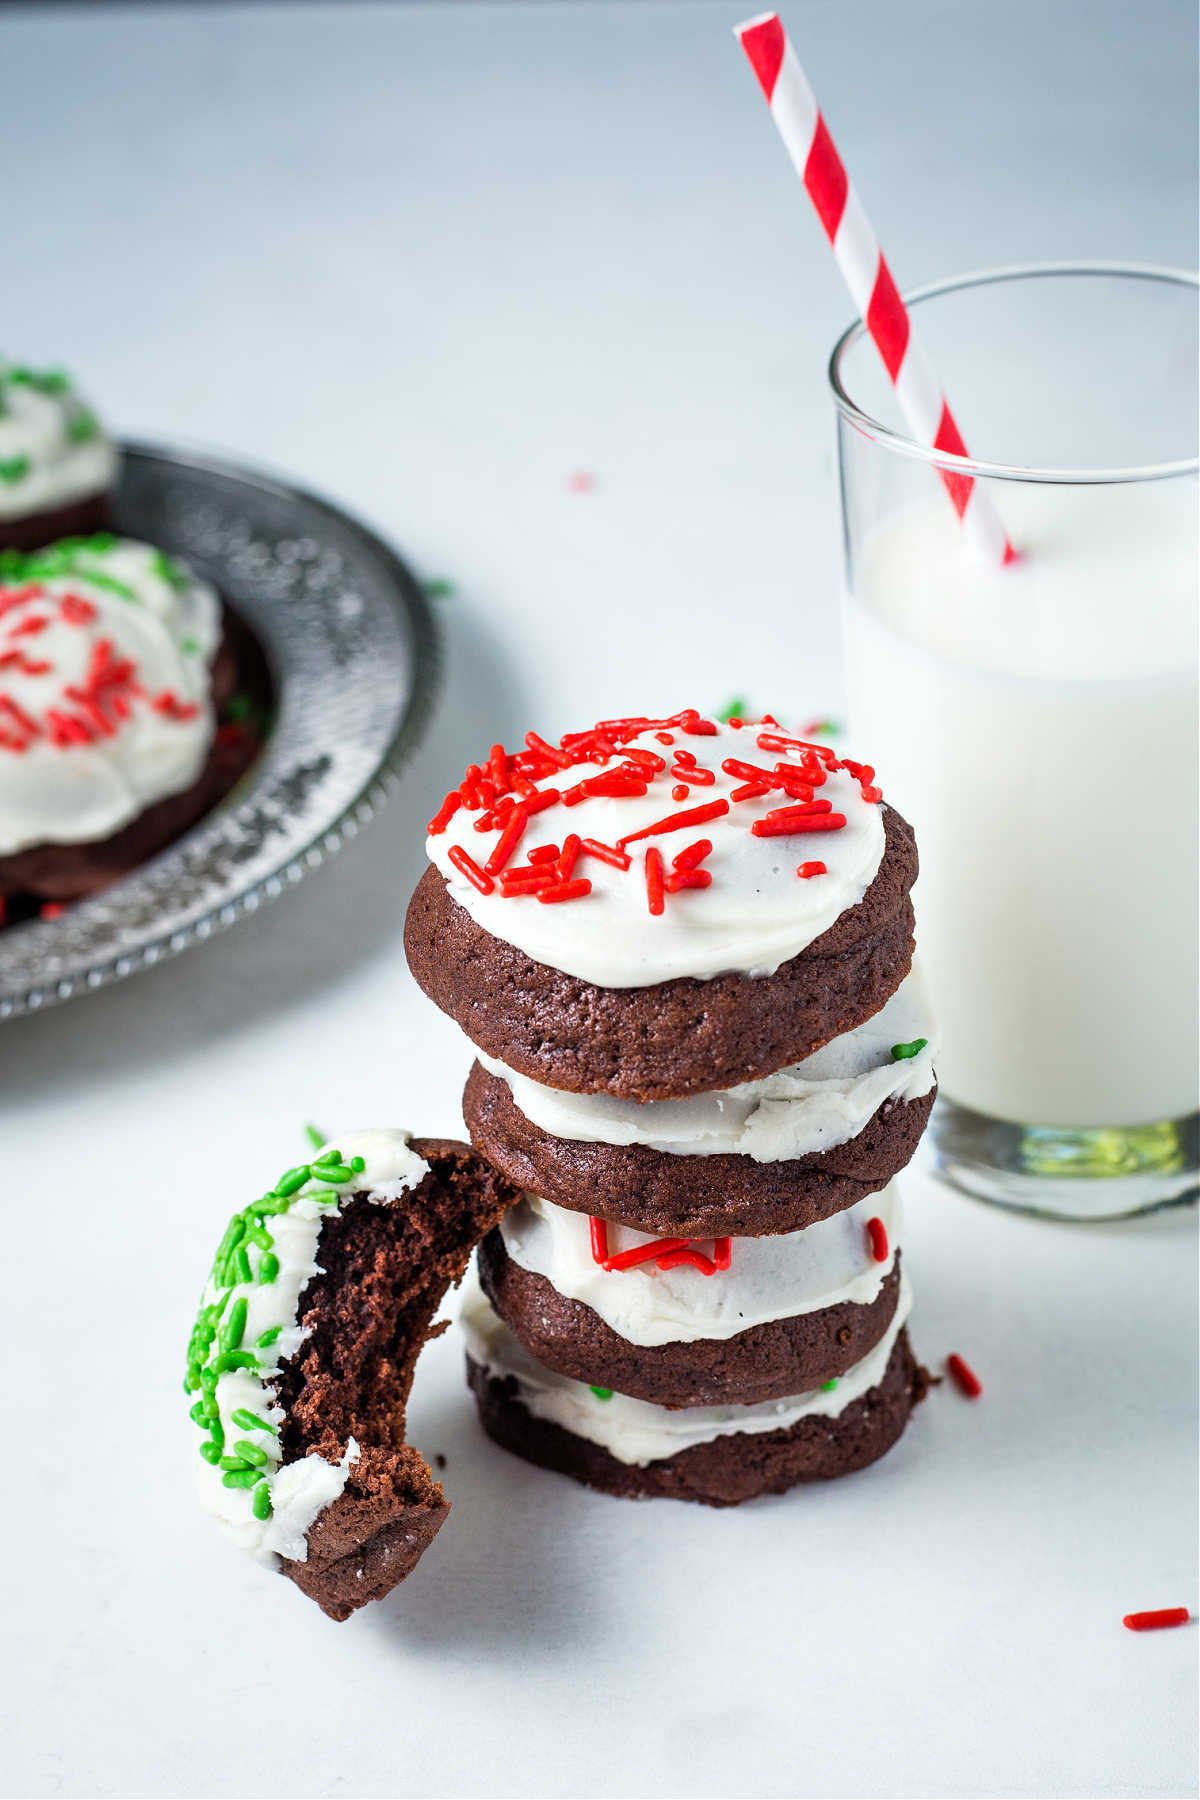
{"x": 683, "y": 951}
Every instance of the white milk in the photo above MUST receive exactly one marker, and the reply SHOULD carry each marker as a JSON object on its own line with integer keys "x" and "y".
{"x": 1037, "y": 725}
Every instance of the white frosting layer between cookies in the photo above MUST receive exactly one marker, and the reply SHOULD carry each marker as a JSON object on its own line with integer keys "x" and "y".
{"x": 800, "y": 1111}
{"x": 767, "y": 1278}
{"x": 756, "y": 914}
{"x": 301, "y": 1490}
{"x": 636, "y": 1432}
{"x": 52, "y": 449}
{"x": 105, "y": 702}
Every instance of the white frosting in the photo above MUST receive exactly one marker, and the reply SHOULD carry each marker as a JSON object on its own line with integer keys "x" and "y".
{"x": 756, "y": 914}
{"x": 825, "y": 1100}
{"x": 767, "y": 1278}
{"x": 300, "y": 1490}
{"x": 147, "y": 615}
{"x": 636, "y": 1432}
{"x": 52, "y": 450}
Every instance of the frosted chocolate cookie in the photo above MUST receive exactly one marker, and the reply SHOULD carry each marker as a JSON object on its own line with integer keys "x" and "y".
{"x": 321, "y": 1296}
{"x": 772, "y": 1155}
{"x": 720, "y": 1455}
{"x": 660, "y": 907}
{"x": 57, "y": 464}
{"x": 115, "y": 664}
{"x": 753, "y": 1319}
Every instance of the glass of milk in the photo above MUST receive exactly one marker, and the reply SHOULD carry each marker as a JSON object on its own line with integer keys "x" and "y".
{"x": 1037, "y": 723}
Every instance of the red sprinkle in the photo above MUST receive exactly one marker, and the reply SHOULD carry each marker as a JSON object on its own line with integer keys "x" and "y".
{"x": 693, "y": 855}
{"x": 444, "y": 813}
{"x": 526, "y": 881}
{"x": 877, "y": 1233}
{"x": 776, "y": 825}
{"x": 687, "y": 878}
{"x": 965, "y": 1378}
{"x": 545, "y": 853}
{"x": 599, "y": 1231}
{"x": 566, "y": 862}
{"x": 606, "y": 853}
{"x": 1157, "y": 1621}
{"x": 695, "y": 815}
{"x": 872, "y": 793}
{"x": 654, "y": 881}
{"x": 569, "y": 890}
{"x": 679, "y": 793}
{"x": 629, "y": 1259}
{"x": 51, "y": 909}
{"x": 723, "y": 1247}
{"x": 508, "y": 840}
{"x": 559, "y": 758}
{"x": 470, "y": 869}
{"x": 675, "y": 1259}
{"x": 807, "y": 870}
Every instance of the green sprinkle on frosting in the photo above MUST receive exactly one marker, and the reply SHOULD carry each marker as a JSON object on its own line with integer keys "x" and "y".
{"x": 603, "y": 1393}
{"x": 827, "y": 1387}
{"x": 14, "y": 469}
{"x": 903, "y": 1052}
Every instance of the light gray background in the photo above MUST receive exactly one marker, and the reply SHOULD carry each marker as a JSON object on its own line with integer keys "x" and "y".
{"x": 434, "y": 260}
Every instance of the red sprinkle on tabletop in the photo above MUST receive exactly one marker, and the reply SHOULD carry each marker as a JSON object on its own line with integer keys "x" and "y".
{"x": 654, "y": 881}
{"x": 1157, "y": 1621}
{"x": 807, "y": 870}
{"x": 877, "y": 1233}
{"x": 580, "y": 482}
{"x": 471, "y": 869}
{"x": 965, "y": 1379}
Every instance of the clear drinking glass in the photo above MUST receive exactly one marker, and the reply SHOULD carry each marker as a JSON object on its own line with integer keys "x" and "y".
{"x": 1038, "y": 723}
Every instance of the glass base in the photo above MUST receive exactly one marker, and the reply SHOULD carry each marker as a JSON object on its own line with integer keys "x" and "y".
{"x": 1106, "y": 1172}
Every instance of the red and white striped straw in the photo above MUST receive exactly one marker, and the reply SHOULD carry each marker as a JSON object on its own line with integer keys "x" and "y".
{"x": 856, "y": 249}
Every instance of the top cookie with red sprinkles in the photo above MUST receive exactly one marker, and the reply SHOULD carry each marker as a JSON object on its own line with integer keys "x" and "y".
{"x": 641, "y": 850}
{"x": 659, "y": 906}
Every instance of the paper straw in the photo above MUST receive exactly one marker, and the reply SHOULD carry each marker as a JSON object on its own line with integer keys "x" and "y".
{"x": 858, "y": 255}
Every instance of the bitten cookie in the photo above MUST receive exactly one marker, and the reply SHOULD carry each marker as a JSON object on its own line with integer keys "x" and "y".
{"x": 57, "y": 465}
{"x": 321, "y": 1297}
{"x": 661, "y": 907}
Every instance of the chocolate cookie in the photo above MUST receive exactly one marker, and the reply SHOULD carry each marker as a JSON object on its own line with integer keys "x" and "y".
{"x": 767, "y": 1362}
{"x": 678, "y": 1037}
{"x": 689, "y": 1196}
{"x": 381, "y": 1264}
{"x": 727, "y": 1470}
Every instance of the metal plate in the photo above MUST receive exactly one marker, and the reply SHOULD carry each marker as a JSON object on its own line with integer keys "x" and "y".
{"x": 356, "y": 663}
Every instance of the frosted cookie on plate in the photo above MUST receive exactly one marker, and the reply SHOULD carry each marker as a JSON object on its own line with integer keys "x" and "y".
{"x": 115, "y": 663}
{"x": 57, "y": 464}
{"x": 322, "y": 1293}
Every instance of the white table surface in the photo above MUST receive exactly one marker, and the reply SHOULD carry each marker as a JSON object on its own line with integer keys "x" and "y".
{"x": 434, "y": 260}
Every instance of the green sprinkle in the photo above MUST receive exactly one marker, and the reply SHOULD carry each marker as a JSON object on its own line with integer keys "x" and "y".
{"x": 235, "y": 1325}
{"x": 250, "y": 1452}
{"x": 14, "y": 468}
{"x": 316, "y": 1138}
{"x": 268, "y": 1268}
{"x": 243, "y": 1478}
{"x": 210, "y": 1452}
{"x": 603, "y": 1393}
{"x": 733, "y": 709}
{"x": 199, "y": 1413}
{"x": 83, "y": 427}
{"x": 234, "y": 1359}
{"x": 827, "y": 1387}
{"x": 902, "y": 1052}
{"x": 251, "y": 1422}
{"x": 189, "y": 645}
{"x": 332, "y": 1172}
{"x": 439, "y": 587}
{"x": 242, "y": 1263}
{"x": 168, "y": 570}
{"x": 825, "y": 728}
{"x": 235, "y": 1462}
{"x": 358, "y": 1164}
{"x": 260, "y": 1501}
{"x": 323, "y": 1197}
{"x": 292, "y": 1182}
{"x": 269, "y": 1336}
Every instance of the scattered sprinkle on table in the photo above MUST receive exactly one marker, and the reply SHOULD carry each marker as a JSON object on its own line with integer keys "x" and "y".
{"x": 1157, "y": 1621}
{"x": 965, "y": 1379}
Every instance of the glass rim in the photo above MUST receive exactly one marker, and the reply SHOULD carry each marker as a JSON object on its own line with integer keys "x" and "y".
{"x": 904, "y": 445}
